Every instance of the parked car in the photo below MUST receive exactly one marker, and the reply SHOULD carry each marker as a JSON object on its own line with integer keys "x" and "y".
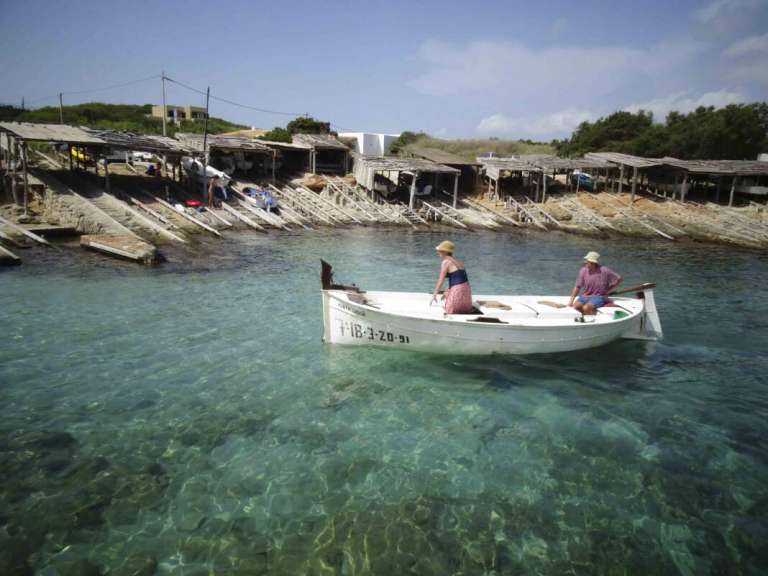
{"x": 583, "y": 181}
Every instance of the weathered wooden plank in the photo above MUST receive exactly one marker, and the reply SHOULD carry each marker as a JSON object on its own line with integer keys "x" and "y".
{"x": 8, "y": 258}
{"x": 243, "y": 218}
{"x": 192, "y": 219}
{"x": 22, "y": 230}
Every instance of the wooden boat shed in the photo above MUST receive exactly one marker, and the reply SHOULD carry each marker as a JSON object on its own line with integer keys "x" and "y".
{"x": 469, "y": 169}
{"x": 289, "y": 157}
{"x": 15, "y": 136}
{"x": 392, "y": 168}
{"x": 675, "y": 174}
{"x": 327, "y": 155}
{"x": 537, "y": 167}
{"x": 241, "y": 148}
{"x": 14, "y": 144}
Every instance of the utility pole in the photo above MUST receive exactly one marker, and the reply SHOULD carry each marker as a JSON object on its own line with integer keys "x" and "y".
{"x": 165, "y": 109}
{"x": 61, "y": 109}
{"x": 205, "y": 144}
{"x": 165, "y": 119}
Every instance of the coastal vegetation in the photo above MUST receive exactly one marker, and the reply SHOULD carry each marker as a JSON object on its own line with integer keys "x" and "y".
{"x": 300, "y": 125}
{"x": 131, "y": 117}
{"x": 470, "y": 148}
{"x": 735, "y": 132}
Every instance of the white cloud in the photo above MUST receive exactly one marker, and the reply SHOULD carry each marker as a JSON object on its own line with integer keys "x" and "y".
{"x": 685, "y": 102}
{"x": 549, "y": 125}
{"x": 748, "y": 46}
{"x": 481, "y": 66}
{"x": 724, "y": 19}
{"x": 719, "y": 9}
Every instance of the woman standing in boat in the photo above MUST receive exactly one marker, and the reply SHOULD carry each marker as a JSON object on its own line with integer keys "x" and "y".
{"x": 458, "y": 299}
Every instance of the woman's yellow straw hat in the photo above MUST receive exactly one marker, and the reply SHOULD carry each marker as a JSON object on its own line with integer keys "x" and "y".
{"x": 445, "y": 246}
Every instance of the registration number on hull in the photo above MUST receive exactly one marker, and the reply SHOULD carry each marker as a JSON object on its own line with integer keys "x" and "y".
{"x": 357, "y": 331}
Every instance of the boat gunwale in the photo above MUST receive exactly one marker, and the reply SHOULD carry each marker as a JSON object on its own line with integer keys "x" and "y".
{"x": 335, "y": 293}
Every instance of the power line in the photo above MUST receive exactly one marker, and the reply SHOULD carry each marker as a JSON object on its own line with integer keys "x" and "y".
{"x": 102, "y": 89}
{"x": 238, "y": 104}
{"x": 112, "y": 87}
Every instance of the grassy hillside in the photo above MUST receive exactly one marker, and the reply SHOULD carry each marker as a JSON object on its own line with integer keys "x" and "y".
{"x": 131, "y": 117}
{"x": 471, "y": 149}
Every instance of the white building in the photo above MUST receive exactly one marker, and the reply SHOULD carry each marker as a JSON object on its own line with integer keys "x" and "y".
{"x": 369, "y": 144}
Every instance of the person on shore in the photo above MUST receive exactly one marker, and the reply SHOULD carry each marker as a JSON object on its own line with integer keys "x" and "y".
{"x": 458, "y": 298}
{"x": 593, "y": 284}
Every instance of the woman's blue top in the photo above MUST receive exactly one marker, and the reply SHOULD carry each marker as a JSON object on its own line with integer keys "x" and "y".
{"x": 457, "y": 277}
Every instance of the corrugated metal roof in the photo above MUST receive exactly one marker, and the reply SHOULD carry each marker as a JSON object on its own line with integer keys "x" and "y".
{"x": 625, "y": 159}
{"x": 510, "y": 164}
{"x": 140, "y": 142}
{"x": 318, "y": 141}
{"x": 195, "y": 142}
{"x": 51, "y": 133}
{"x": 440, "y": 156}
{"x": 398, "y": 164}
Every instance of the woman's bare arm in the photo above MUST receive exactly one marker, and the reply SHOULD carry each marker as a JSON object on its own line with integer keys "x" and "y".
{"x": 440, "y": 280}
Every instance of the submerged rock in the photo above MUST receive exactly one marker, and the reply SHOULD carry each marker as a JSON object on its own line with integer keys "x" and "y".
{"x": 55, "y": 441}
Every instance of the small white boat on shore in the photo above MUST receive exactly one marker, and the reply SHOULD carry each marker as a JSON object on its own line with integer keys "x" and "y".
{"x": 501, "y": 325}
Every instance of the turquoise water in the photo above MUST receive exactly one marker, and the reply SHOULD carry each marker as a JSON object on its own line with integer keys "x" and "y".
{"x": 188, "y": 419}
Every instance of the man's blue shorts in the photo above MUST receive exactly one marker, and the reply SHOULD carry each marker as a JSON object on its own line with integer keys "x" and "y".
{"x": 596, "y": 301}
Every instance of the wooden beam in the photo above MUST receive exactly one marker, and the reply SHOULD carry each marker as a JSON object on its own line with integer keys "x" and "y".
{"x": 25, "y": 168}
{"x": 243, "y": 218}
{"x": 27, "y": 233}
{"x": 634, "y": 184}
{"x": 455, "y": 189}
{"x": 621, "y": 178}
{"x": 733, "y": 190}
{"x": 192, "y": 219}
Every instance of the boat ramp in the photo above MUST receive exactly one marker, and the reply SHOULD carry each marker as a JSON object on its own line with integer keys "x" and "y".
{"x": 73, "y": 185}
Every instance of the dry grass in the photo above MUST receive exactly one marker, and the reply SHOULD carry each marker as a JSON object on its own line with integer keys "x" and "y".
{"x": 471, "y": 149}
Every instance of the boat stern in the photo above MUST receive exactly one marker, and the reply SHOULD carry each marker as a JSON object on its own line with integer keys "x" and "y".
{"x": 649, "y": 327}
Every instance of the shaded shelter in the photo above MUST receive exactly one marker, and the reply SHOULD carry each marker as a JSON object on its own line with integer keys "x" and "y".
{"x": 468, "y": 169}
{"x": 327, "y": 154}
{"x": 234, "y": 153}
{"x": 290, "y": 158}
{"x": 392, "y": 169}
{"x": 15, "y": 149}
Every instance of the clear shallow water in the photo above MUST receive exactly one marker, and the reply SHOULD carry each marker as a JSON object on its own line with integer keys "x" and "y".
{"x": 188, "y": 420}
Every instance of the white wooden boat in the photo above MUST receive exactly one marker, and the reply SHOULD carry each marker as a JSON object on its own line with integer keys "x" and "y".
{"x": 502, "y": 324}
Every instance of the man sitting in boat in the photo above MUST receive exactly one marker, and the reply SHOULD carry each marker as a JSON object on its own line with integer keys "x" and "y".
{"x": 458, "y": 299}
{"x": 593, "y": 284}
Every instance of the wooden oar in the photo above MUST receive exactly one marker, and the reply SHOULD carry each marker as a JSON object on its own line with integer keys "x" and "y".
{"x": 640, "y": 288}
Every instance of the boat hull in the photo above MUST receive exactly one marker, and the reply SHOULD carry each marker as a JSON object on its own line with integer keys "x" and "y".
{"x": 350, "y": 323}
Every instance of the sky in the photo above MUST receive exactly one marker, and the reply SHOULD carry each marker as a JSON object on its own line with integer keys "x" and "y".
{"x": 475, "y": 69}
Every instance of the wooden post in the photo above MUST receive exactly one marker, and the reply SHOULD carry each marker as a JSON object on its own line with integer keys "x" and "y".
{"x": 61, "y": 109}
{"x": 684, "y": 187}
{"x": 413, "y": 190}
{"x": 274, "y": 155}
{"x": 634, "y": 184}
{"x": 14, "y": 162}
{"x": 719, "y": 186}
{"x": 496, "y": 186}
{"x": 26, "y": 179}
{"x": 544, "y": 189}
{"x": 455, "y": 189}
{"x": 621, "y": 178}
{"x": 205, "y": 146}
{"x": 733, "y": 190}
{"x": 107, "y": 184}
